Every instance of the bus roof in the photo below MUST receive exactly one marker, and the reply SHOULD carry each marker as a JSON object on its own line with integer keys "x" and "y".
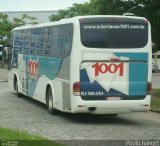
{"x": 75, "y": 19}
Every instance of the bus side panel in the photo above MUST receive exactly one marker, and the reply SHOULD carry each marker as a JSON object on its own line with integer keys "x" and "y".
{"x": 36, "y": 71}
{"x": 64, "y": 77}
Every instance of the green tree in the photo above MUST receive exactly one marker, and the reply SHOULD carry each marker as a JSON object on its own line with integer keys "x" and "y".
{"x": 25, "y": 19}
{"x": 60, "y": 15}
{"x": 151, "y": 10}
{"x": 104, "y": 7}
{"x": 75, "y": 10}
{"x": 5, "y": 28}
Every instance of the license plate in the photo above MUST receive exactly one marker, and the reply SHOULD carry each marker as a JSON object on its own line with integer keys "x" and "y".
{"x": 113, "y": 98}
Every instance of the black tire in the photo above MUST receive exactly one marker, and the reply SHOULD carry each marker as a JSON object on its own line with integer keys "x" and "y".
{"x": 16, "y": 88}
{"x": 49, "y": 100}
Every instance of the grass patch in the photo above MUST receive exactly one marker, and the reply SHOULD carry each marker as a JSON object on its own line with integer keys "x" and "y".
{"x": 17, "y": 138}
{"x": 155, "y": 100}
{"x": 156, "y": 92}
{"x": 8, "y": 134}
{"x": 155, "y": 103}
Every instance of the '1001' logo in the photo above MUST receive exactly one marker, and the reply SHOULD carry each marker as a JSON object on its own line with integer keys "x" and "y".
{"x": 111, "y": 68}
{"x": 33, "y": 69}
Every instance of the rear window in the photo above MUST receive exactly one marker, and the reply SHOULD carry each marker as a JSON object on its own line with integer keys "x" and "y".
{"x": 114, "y": 34}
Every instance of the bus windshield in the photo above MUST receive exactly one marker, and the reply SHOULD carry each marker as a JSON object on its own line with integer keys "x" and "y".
{"x": 114, "y": 35}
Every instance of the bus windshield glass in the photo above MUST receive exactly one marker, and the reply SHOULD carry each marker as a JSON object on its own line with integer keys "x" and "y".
{"x": 114, "y": 35}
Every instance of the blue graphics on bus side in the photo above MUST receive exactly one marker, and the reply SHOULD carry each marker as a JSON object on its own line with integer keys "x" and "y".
{"x": 125, "y": 79}
{"x": 33, "y": 67}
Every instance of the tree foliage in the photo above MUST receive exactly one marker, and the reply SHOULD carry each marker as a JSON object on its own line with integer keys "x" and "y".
{"x": 5, "y": 28}
{"x": 25, "y": 19}
{"x": 6, "y": 25}
{"x": 146, "y": 8}
{"x": 75, "y": 10}
{"x": 151, "y": 10}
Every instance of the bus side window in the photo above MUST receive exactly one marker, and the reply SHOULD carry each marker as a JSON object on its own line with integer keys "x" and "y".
{"x": 67, "y": 40}
{"x": 62, "y": 37}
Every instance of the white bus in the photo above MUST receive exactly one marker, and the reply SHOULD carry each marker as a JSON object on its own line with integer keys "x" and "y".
{"x": 86, "y": 64}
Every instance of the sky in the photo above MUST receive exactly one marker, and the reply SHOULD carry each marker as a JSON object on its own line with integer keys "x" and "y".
{"x": 36, "y": 5}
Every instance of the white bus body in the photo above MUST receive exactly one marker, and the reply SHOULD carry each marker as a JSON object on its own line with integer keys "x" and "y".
{"x": 87, "y": 64}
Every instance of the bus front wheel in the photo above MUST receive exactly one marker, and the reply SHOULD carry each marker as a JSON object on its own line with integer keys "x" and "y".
{"x": 50, "y": 106}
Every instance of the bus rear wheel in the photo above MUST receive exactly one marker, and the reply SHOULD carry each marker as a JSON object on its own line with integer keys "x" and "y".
{"x": 50, "y": 106}
{"x": 16, "y": 88}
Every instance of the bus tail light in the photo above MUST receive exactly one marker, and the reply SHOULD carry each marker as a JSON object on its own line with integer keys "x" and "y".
{"x": 76, "y": 88}
{"x": 149, "y": 86}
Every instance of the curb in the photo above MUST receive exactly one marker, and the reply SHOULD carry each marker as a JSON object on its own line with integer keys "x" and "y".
{"x": 155, "y": 110}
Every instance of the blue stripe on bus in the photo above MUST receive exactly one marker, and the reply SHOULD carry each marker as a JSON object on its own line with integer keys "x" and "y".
{"x": 48, "y": 66}
{"x": 95, "y": 86}
{"x": 137, "y": 73}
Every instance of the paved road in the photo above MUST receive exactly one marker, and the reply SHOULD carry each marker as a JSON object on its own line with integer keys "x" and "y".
{"x": 156, "y": 80}
{"x": 28, "y": 115}
{"x": 3, "y": 74}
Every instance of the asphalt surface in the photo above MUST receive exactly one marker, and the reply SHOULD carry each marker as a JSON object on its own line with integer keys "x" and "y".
{"x": 3, "y": 74}
{"x": 156, "y": 80}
